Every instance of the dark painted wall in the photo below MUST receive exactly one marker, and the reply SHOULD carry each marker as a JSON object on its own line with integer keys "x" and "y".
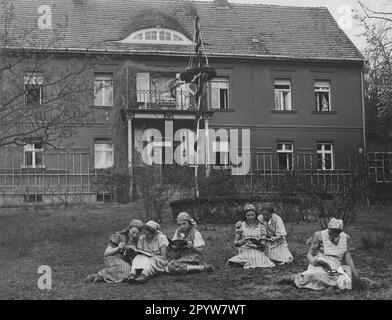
{"x": 252, "y": 102}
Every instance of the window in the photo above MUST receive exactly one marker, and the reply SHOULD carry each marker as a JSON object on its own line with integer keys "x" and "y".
{"x": 219, "y": 93}
{"x": 283, "y": 95}
{"x": 285, "y": 155}
{"x": 104, "y": 155}
{"x": 325, "y": 156}
{"x": 103, "y": 89}
{"x": 322, "y": 92}
{"x": 157, "y": 35}
{"x": 33, "y": 85}
{"x": 104, "y": 197}
{"x": 221, "y": 149}
{"x": 33, "y": 155}
{"x": 32, "y": 198}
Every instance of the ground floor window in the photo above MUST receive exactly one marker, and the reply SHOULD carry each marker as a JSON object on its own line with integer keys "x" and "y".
{"x": 325, "y": 156}
{"x": 33, "y": 155}
{"x": 285, "y": 155}
{"x": 104, "y": 197}
{"x": 103, "y": 154}
{"x": 32, "y": 198}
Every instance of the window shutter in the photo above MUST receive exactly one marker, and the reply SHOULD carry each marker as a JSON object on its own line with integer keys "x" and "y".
{"x": 143, "y": 87}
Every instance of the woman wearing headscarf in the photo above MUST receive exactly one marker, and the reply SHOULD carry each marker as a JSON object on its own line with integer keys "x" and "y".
{"x": 116, "y": 267}
{"x": 187, "y": 258}
{"x": 250, "y": 255}
{"x": 276, "y": 244}
{"x": 330, "y": 261}
{"x": 154, "y": 243}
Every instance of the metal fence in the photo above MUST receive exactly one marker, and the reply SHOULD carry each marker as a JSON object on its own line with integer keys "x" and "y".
{"x": 68, "y": 176}
{"x": 63, "y": 177}
{"x": 380, "y": 164}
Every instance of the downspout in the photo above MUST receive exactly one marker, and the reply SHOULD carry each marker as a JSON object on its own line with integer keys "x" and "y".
{"x": 363, "y": 113}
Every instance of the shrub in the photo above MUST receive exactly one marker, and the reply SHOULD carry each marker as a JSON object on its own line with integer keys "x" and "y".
{"x": 315, "y": 189}
{"x": 157, "y": 186}
{"x": 113, "y": 181}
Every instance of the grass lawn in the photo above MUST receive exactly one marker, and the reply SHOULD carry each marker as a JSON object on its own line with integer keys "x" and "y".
{"x": 71, "y": 241}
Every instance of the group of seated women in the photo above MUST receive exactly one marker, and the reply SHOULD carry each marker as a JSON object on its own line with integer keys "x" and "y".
{"x": 142, "y": 251}
{"x": 261, "y": 239}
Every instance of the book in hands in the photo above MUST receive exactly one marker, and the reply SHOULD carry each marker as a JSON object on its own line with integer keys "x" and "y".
{"x": 131, "y": 252}
{"x": 325, "y": 265}
{"x": 181, "y": 243}
{"x": 256, "y": 241}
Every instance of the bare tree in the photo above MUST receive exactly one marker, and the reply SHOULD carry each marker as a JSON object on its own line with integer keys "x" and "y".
{"x": 378, "y": 32}
{"x": 42, "y": 97}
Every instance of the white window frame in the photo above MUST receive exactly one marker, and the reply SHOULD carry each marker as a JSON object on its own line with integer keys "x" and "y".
{"x": 320, "y": 87}
{"x": 105, "y": 146}
{"x": 215, "y": 87}
{"x": 32, "y": 148}
{"x": 286, "y": 151}
{"x": 103, "y": 82}
{"x": 170, "y": 37}
{"x": 279, "y": 95}
{"x": 324, "y": 152}
{"x": 35, "y": 79}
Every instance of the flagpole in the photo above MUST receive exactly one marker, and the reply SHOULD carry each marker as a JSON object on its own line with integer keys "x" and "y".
{"x": 197, "y": 51}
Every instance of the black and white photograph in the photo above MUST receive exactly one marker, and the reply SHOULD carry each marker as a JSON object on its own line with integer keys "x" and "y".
{"x": 203, "y": 152}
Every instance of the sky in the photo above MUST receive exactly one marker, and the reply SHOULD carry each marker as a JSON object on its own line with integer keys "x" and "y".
{"x": 339, "y": 9}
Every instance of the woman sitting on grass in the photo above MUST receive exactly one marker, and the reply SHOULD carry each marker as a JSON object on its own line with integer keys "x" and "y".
{"x": 250, "y": 238}
{"x": 154, "y": 259}
{"x": 187, "y": 254}
{"x": 276, "y": 246}
{"x": 117, "y": 269}
{"x": 329, "y": 249}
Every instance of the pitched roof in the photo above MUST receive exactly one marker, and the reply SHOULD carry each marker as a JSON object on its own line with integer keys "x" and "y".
{"x": 281, "y": 31}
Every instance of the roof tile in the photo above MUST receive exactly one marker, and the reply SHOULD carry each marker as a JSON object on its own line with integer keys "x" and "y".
{"x": 295, "y": 32}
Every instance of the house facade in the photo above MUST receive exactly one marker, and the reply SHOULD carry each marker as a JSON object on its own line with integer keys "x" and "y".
{"x": 287, "y": 75}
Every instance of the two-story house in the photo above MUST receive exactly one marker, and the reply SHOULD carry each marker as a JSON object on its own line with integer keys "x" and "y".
{"x": 289, "y": 75}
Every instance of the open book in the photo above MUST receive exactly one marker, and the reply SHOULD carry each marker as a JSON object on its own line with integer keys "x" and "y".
{"x": 177, "y": 242}
{"x": 256, "y": 241}
{"x": 130, "y": 252}
{"x": 325, "y": 265}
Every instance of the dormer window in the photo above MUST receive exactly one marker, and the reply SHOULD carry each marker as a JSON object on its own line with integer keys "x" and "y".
{"x": 157, "y": 35}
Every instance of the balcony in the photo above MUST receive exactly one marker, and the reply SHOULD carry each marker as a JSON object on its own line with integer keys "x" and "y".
{"x": 159, "y": 100}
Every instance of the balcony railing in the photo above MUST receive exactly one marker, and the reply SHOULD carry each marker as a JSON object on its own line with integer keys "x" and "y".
{"x": 163, "y": 100}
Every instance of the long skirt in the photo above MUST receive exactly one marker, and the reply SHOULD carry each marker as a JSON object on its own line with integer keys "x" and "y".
{"x": 115, "y": 269}
{"x": 180, "y": 265}
{"x": 250, "y": 257}
{"x": 279, "y": 252}
{"x": 316, "y": 278}
{"x": 150, "y": 265}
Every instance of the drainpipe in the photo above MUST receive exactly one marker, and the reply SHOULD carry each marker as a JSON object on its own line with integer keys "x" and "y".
{"x": 363, "y": 113}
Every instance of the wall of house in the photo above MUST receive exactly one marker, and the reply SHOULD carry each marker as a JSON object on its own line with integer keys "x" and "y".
{"x": 251, "y": 107}
{"x": 252, "y": 101}
{"x": 252, "y": 104}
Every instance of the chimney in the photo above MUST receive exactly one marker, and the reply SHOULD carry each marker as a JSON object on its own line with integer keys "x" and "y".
{"x": 222, "y": 3}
